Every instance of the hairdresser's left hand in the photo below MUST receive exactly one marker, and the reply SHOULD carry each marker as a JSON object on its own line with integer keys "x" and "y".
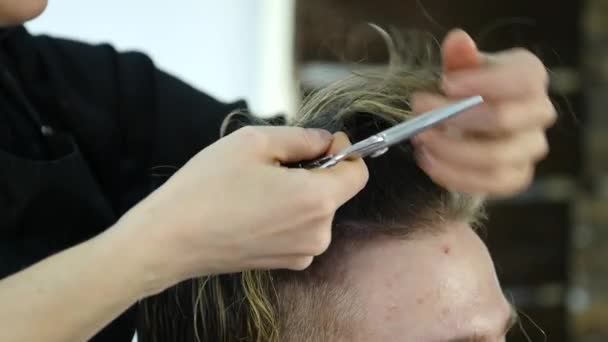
{"x": 493, "y": 149}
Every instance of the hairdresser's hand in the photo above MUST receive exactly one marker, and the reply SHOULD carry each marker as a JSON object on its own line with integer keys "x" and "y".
{"x": 233, "y": 207}
{"x": 494, "y": 148}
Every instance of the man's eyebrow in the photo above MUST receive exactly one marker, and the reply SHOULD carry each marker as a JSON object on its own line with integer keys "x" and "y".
{"x": 509, "y": 324}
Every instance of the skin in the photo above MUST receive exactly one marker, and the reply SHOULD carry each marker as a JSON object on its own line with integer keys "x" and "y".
{"x": 214, "y": 217}
{"x": 436, "y": 288}
{"x": 265, "y": 226}
{"x": 492, "y": 149}
{"x": 14, "y": 12}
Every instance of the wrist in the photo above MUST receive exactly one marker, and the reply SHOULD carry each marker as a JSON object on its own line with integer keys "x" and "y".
{"x": 140, "y": 262}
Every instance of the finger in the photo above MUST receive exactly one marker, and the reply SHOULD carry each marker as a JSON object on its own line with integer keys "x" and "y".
{"x": 282, "y": 262}
{"x": 287, "y": 144}
{"x": 459, "y": 51}
{"x": 339, "y": 143}
{"x": 497, "y": 182}
{"x": 311, "y": 238}
{"x": 493, "y": 119}
{"x": 484, "y": 154}
{"x": 346, "y": 179}
{"x": 511, "y": 74}
{"x": 298, "y": 263}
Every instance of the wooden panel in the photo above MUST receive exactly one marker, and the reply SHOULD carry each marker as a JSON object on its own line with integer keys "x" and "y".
{"x": 590, "y": 314}
{"x": 529, "y": 242}
{"x": 541, "y": 325}
{"x": 565, "y": 139}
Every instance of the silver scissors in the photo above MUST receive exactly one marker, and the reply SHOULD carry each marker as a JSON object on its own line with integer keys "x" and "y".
{"x": 378, "y": 144}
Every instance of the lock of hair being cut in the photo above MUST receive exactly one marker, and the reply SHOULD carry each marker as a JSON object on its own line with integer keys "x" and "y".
{"x": 399, "y": 201}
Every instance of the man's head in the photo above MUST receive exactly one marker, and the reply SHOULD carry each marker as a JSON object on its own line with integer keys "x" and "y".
{"x": 405, "y": 263}
{"x": 432, "y": 288}
{"x": 15, "y": 12}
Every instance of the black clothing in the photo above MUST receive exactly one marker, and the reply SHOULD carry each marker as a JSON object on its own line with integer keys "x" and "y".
{"x": 81, "y": 128}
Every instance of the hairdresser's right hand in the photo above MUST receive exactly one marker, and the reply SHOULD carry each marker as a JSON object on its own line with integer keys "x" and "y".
{"x": 233, "y": 207}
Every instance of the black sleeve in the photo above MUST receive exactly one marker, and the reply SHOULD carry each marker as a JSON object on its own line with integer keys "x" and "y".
{"x": 182, "y": 120}
{"x": 129, "y": 116}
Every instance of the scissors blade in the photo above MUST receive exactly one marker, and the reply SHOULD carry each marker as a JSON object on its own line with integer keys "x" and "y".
{"x": 378, "y": 144}
{"x": 408, "y": 129}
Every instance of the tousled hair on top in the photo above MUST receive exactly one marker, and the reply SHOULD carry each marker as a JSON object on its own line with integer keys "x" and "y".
{"x": 399, "y": 201}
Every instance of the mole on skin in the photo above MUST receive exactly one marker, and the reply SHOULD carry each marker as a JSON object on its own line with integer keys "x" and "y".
{"x": 446, "y": 250}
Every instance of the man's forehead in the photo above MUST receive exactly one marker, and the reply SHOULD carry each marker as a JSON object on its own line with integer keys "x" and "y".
{"x": 426, "y": 283}
{"x": 418, "y": 272}
{"x": 393, "y": 255}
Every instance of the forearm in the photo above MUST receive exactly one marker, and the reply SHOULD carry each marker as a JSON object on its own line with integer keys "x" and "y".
{"x": 71, "y": 295}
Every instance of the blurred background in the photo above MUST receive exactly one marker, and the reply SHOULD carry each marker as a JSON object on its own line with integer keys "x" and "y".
{"x": 231, "y": 49}
{"x": 550, "y": 245}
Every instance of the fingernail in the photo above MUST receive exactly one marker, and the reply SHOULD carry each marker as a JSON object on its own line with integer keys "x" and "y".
{"x": 323, "y": 134}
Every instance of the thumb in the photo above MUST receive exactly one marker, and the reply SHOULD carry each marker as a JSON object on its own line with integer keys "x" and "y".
{"x": 459, "y": 51}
